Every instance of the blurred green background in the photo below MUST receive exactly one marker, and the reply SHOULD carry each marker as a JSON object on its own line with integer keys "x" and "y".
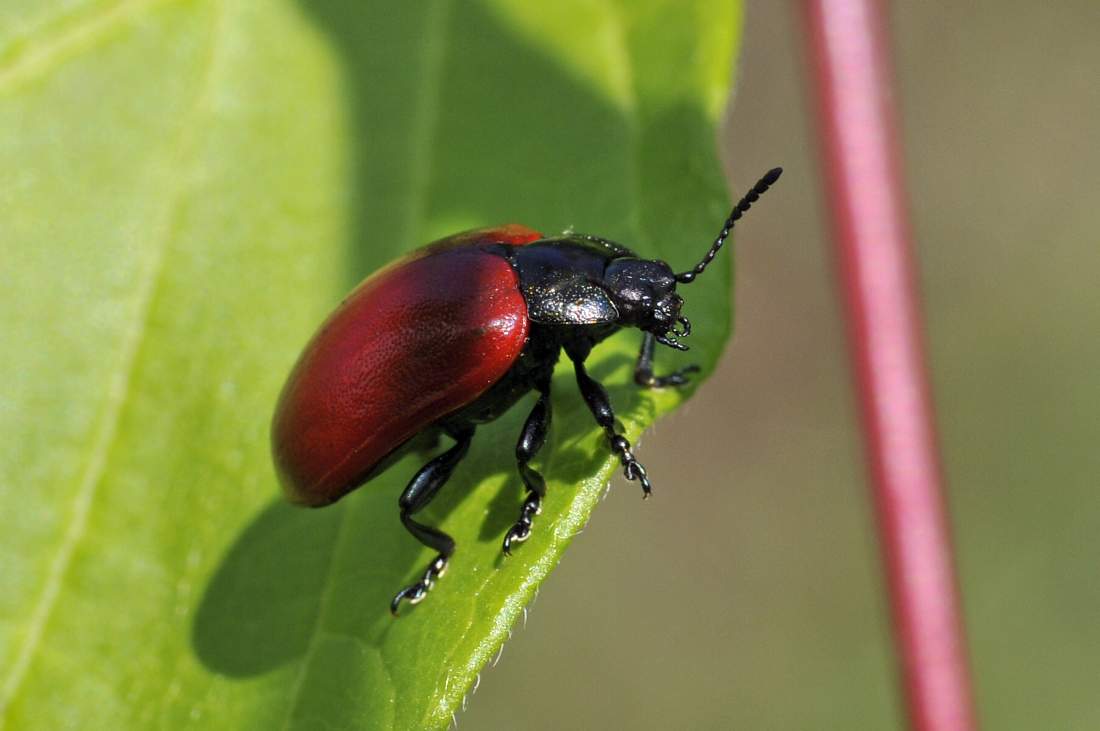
{"x": 747, "y": 594}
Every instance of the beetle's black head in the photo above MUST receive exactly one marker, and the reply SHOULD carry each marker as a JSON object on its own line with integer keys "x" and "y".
{"x": 644, "y": 292}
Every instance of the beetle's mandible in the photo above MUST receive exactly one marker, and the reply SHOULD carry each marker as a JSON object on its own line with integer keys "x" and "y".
{"x": 450, "y": 337}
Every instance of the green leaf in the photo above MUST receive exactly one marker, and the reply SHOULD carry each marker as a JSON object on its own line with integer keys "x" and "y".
{"x": 188, "y": 188}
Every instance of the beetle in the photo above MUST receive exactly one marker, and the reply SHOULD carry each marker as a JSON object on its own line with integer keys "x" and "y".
{"x": 453, "y": 335}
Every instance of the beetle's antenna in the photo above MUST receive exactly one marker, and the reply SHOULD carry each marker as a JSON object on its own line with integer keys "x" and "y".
{"x": 745, "y": 204}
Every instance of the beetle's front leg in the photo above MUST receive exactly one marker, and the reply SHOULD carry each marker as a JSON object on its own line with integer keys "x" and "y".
{"x": 643, "y": 369}
{"x": 595, "y": 395}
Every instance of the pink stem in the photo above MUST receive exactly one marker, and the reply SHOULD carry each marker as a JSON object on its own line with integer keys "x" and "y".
{"x": 849, "y": 50}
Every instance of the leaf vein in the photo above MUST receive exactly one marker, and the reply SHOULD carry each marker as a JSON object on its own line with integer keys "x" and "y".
{"x": 425, "y": 125}
{"x": 44, "y": 54}
{"x": 118, "y": 393}
{"x": 318, "y": 631}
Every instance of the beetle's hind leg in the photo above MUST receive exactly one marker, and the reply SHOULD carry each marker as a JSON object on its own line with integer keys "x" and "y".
{"x": 423, "y": 487}
{"x": 530, "y": 442}
{"x": 643, "y": 369}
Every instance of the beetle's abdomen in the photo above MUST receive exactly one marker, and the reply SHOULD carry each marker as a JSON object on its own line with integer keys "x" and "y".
{"x": 414, "y": 342}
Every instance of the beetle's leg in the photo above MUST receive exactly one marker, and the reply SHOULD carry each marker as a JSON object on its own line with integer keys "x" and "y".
{"x": 530, "y": 442}
{"x": 423, "y": 487}
{"x": 643, "y": 369}
{"x": 599, "y": 404}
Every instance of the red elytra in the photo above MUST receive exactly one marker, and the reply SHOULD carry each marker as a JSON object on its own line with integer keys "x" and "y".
{"x": 407, "y": 347}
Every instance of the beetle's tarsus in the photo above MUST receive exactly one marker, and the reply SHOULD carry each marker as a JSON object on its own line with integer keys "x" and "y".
{"x": 634, "y": 470}
{"x": 643, "y": 368}
{"x": 530, "y": 442}
{"x": 521, "y": 531}
{"x": 676, "y": 378}
{"x": 415, "y": 593}
{"x": 422, "y": 489}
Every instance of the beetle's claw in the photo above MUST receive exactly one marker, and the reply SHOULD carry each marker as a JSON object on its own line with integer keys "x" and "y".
{"x": 415, "y": 593}
{"x": 635, "y": 471}
{"x": 632, "y": 468}
{"x": 521, "y": 531}
{"x": 516, "y": 534}
{"x": 676, "y": 378}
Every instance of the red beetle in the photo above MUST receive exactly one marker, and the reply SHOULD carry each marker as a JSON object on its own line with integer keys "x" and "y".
{"x": 451, "y": 336}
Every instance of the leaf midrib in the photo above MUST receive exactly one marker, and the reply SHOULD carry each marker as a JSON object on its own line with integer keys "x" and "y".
{"x": 424, "y": 126}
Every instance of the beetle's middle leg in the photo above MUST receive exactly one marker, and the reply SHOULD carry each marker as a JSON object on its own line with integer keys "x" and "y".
{"x": 643, "y": 369}
{"x": 530, "y": 442}
{"x": 595, "y": 396}
{"x": 423, "y": 487}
